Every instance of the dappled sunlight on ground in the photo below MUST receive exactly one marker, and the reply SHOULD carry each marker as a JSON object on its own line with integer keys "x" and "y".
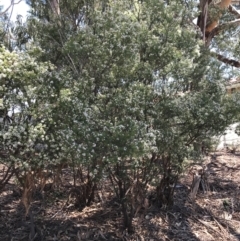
{"x": 212, "y": 216}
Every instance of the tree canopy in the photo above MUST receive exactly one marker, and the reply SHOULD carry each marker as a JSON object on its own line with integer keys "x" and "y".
{"x": 114, "y": 88}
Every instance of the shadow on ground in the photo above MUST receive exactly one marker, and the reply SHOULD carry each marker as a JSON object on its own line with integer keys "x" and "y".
{"x": 212, "y": 216}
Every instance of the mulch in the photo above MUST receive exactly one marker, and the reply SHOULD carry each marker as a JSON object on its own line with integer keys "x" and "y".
{"x": 212, "y": 215}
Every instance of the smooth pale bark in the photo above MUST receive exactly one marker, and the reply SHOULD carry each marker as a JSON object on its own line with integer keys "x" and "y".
{"x": 209, "y": 25}
{"x": 55, "y": 6}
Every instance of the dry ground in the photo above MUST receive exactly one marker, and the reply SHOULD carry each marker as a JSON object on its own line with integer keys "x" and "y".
{"x": 214, "y": 215}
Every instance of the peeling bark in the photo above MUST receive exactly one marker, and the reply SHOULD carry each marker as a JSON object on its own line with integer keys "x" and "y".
{"x": 208, "y": 23}
{"x": 210, "y": 28}
{"x": 220, "y": 28}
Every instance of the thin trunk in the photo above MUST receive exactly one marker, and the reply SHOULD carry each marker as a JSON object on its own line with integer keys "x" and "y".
{"x": 54, "y": 4}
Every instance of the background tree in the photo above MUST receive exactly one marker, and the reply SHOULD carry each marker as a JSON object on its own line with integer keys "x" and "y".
{"x": 217, "y": 21}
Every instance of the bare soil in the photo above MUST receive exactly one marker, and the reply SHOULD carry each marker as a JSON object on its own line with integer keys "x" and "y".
{"x": 213, "y": 215}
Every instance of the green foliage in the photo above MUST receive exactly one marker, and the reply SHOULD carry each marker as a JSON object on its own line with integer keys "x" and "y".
{"x": 20, "y": 84}
{"x": 107, "y": 87}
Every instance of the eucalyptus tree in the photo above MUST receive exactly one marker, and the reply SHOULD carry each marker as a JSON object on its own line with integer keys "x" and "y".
{"x": 219, "y": 23}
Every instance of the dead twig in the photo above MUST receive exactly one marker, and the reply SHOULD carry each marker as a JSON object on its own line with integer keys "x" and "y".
{"x": 209, "y": 226}
{"x": 219, "y": 225}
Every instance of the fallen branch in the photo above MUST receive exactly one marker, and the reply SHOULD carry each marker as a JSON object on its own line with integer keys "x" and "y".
{"x": 220, "y": 226}
{"x": 209, "y": 226}
{"x": 205, "y": 224}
